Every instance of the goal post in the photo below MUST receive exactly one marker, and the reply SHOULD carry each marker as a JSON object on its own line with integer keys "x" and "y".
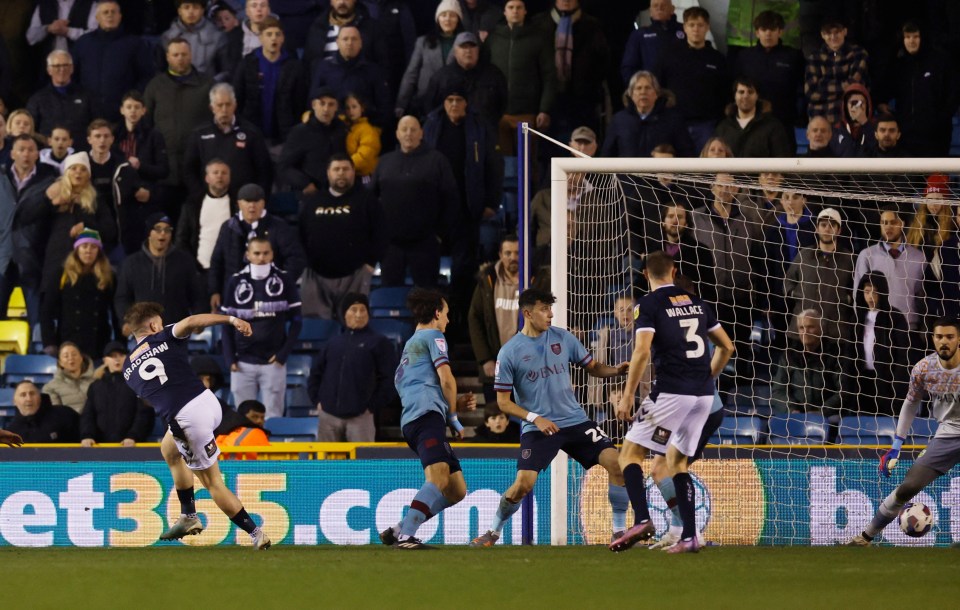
{"x": 594, "y": 260}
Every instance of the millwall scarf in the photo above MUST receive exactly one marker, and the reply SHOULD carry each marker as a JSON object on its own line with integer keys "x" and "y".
{"x": 564, "y": 46}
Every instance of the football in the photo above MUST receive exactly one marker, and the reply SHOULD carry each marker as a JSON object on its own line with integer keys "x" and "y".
{"x": 916, "y": 519}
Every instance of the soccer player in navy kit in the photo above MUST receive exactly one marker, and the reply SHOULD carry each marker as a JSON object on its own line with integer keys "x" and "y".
{"x": 428, "y": 392}
{"x": 535, "y": 364}
{"x": 673, "y": 328}
{"x": 158, "y": 370}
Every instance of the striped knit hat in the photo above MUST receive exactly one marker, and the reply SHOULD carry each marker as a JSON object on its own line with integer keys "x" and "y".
{"x": 88, "y": 236}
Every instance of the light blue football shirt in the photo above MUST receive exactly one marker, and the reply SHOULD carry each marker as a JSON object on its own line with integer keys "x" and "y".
{"x": 538, "y": 371}
{"x": 416, "y": 379}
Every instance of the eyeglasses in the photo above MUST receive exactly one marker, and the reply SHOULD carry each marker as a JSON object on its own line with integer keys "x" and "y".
{"x": 60, "y": 66}
{"x": 163, "y": 229}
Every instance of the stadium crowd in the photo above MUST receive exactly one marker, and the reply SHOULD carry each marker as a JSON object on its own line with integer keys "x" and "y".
{"x": 263, "y": 158}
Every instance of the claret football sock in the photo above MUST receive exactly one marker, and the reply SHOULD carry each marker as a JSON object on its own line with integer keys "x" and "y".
{"x": 619, "y": 500}
{"x": 187, "y": 504}
{"x": 685, "y": 502}
{"x": 505, "y": 510}
{"x": 420, "y": 509}
{"x": 637, "y": 491}
{"x": 243, "y": 521}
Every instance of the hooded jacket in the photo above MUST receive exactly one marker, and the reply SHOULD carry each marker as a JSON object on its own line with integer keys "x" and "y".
{"x": 170, "y": 280}
{"x": 850, "y": 139}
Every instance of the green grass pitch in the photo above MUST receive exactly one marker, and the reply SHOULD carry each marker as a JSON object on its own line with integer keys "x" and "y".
{"x": 506, "y": 577}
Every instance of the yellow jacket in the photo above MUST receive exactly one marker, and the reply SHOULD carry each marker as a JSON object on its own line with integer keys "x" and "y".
{"x": 363, "y": 146}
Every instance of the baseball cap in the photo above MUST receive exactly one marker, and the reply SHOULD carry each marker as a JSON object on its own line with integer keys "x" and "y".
{"x": 830, "y": 214}
{"x": 583, "y": 134}
{"x": 466, "y": 38}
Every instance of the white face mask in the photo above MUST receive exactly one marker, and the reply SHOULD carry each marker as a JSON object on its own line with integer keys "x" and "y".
{"x": 259, "y": 272}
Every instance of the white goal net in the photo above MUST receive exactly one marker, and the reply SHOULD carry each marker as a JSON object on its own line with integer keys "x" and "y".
{"x": 825, "y": 272}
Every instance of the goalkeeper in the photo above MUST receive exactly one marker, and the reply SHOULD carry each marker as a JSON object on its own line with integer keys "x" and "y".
{"x": 936, "y": 377}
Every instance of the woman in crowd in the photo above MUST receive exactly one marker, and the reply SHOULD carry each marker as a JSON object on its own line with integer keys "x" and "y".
{"x": 716, "y": 148}
{"x": 431, "y": 52}
{"x": 932, "y": 225}
{"x": 72, "y": 379}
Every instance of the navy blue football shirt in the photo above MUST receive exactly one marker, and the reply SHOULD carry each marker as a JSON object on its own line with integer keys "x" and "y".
{"x": 158, "y": 370}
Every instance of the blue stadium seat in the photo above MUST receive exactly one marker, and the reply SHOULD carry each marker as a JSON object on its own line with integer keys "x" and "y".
{"x": 389, "y": 302}
{"x": 922, "y": 430}
{"x": 509, "y": 173}
{"x": 798, "y": 429}
{"x": 296, "y": 397}
{"x": 752, "y": 400}
{"x": 298, "y": 369}
{"x": 292, "y": 429}
{"x": 867, "y": 430}
{"x": 802, "y": 143}
{"x": 740, "y": 431}
{"x": 314, "y": 332}
{"x": 398, "y": 331}
{"x": 38, "y": 368}
{"x": 7, "y": 409}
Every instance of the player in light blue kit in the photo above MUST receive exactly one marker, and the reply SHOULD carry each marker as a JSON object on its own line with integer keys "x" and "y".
{"x": 158, "y": 371}
{"x": 428, "y": 392}
{"x": 673, "y": 329}
{"x": 535, "y": 365}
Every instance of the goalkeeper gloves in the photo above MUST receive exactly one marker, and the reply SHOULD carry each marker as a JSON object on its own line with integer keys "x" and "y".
{"x": 888, "y": 460}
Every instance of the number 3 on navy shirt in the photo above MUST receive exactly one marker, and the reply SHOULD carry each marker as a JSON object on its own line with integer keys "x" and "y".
{"x": 156, "y": 370}
{"x": 690, "y": 326}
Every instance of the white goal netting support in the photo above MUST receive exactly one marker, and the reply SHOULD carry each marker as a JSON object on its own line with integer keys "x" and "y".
{"x": 825, "y": 272}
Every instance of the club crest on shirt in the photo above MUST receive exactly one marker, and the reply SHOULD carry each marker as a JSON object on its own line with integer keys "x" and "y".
{"x": 555, "y": 347}
{"x": 441, "y": 345}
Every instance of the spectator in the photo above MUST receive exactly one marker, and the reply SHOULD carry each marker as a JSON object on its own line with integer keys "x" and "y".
{"x": 479, "y": 17}
{"x": 202, "y": 216}
{"x": 25, "y": 169}
{"x": 352, "y": 377}
{"x": 492, "y": 318}
{"x": 271, "y": 86}
{"x": 177, "y": 102}
{"x": 902, "y": 264}
{"x": 113, "y": 413}
{"x": 72, "y": 379}
{"x": 142, "y": 165}
{"x": 821, "y": 277}
{"x": 8, "y": 267}
{"x": 432, "y": 51}
{"x": 776, "y": 68}
{"x": 749, "y": 128}
{"x": 235, "y": 140}
{"x": 58, "y": 24}
{"x": 831, "y": 70}
{"x": 110, "y": 62}
{"x": 348, "y": 71}
{"x": 692, "y": 260}
{"x": 581, "y": 56}
{"x": 60, "y": 146}
{"x": 251, "y": 221}
{"x": 647, "y": 120}
{"x": 207, "y": 43}
{"x": 716, "y": 148}
{"x": 307, "y": 151}
{"x": 79, "y": 307}
{"x": 62, "y": 101}
{"x": 767, "y": 203}
{"x": 470, "y": 146}
{"x": 20, "y": 122}
{"x": 4, "y": 145}
{"x": 496, "y": 428}
{"x": 886, "y": 139}
{"x": 323, "y": 39}
{"x": 611, "y": 342}
{"x": 854, "y": 134}
{"x": 924, "y": 90}
{"x": 243, "y": 40}
{"x": 697, "y": 74}
{"x": 246, "y": 431}
{"x": 64, "y": 209}
{"x": 363, "y": 139}
{"x": 485, "y": 84}
{"x": 223, "y": 15}
{"x": 808, "y": 375}
{"x": 933, "y": 224}
{"x": 646, "y": 43}
{"x": 396, "y": 36}
{"x": 524, "y": 53}
{"x": 881, "y": 343}
{"x": 103, "y": 163}
{"x": 342, "y": 232}
{"x": 160, "y": 273}
{"x": 39, "y": 421}
{"x": 419, "y": 196}
{"x": 267, "y": 297}
{"x": 819, "y": 136}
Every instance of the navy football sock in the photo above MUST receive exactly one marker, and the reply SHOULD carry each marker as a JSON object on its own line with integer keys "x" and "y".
{"x": 187, "y": 504}
{"x": 243, "y": 521}
{"x": 637, "y": 490}
{"x": 685, "y": 502}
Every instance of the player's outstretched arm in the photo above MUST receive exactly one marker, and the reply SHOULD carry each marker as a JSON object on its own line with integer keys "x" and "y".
{"x": 724, "y": 350}
{"x": 638, "y": 364}
{"x": 198, "y": 322}
{"x": 509, "y": 407}
{"x": 603, "y": 371}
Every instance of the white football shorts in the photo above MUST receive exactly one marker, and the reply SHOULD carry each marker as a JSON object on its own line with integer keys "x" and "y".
{"x": 675, "y": 419}
{"x": 197, "y": 420}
